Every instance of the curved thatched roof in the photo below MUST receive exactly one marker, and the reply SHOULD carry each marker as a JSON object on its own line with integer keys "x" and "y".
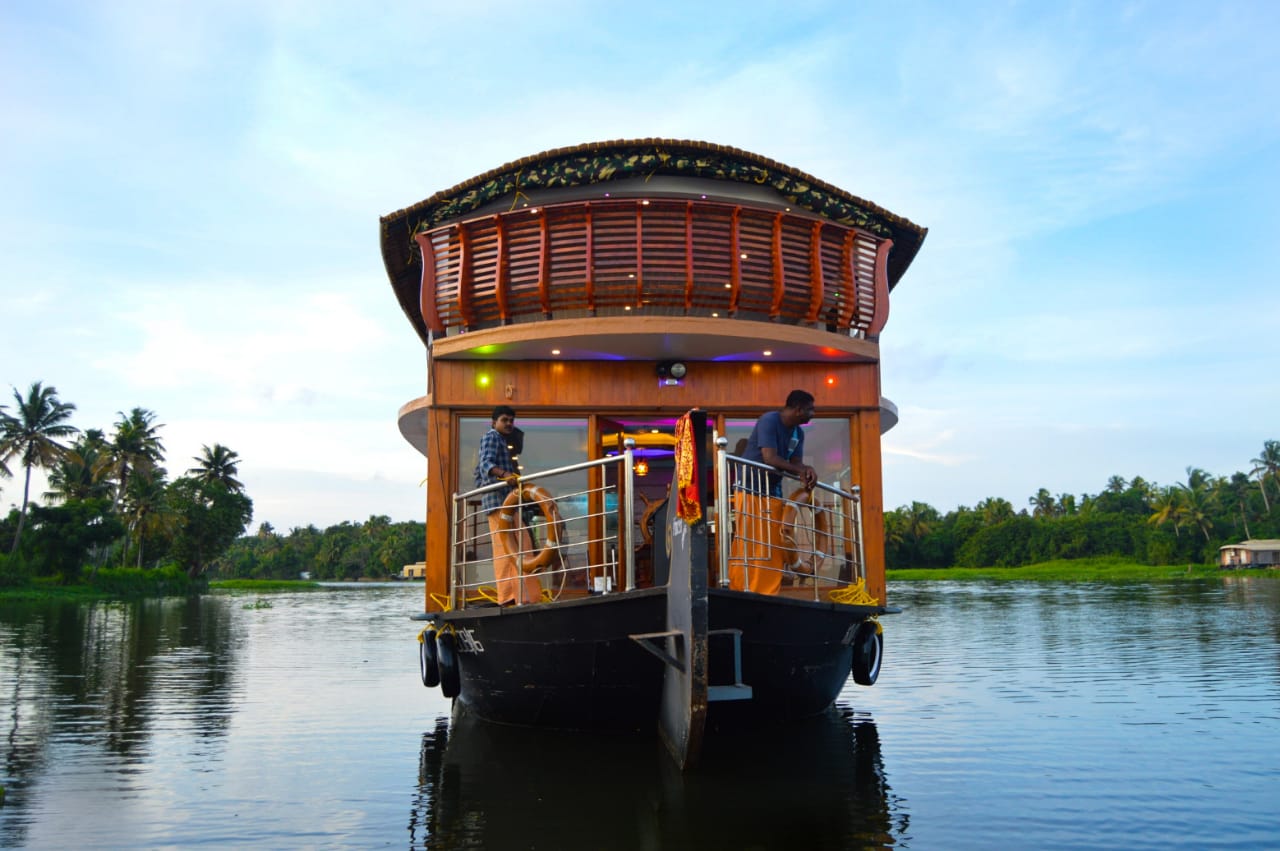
{"x": 598, "y": 162}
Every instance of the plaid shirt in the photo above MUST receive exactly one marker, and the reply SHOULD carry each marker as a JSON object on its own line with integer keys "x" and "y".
{"x": 493, "y": 453}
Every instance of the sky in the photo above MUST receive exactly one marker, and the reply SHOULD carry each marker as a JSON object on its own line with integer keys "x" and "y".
{"x": 190, "y": 196}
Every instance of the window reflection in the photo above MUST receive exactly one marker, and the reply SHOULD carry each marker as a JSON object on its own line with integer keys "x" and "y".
{"x": 826, "y": 446}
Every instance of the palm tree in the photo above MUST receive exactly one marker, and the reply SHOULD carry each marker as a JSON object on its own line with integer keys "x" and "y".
{"x": 32, "y": 437}
{"x": 218, "y": 464}
{"x": 135, "y": 447}
{"x": 1267, "y": 464}
{"x": 1168, "y": 509}
{"x": 1042, "y": 503}
{"x": 4, "y": 471}
{"x": 83, "y": 472}
{"x": 1195, "y": 508}
{"x": 1116, "y": 485}
{"x": 145, "y": 506}
{"x": 919, "y": 518}
{"x": 1238, "y": 489}
{"x": 1197, "y": 500}
{"x": 994, "y": 509}
{"x": 1197, "y": 479}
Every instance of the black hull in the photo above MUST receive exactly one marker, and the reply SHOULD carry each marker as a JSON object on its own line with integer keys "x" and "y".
{"x": 573, "y": 665}
{"x": 568, "y": 665}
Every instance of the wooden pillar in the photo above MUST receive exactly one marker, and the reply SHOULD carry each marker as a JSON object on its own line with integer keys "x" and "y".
{"x": 439, "y": 449}
{"x": 868, "y": 474}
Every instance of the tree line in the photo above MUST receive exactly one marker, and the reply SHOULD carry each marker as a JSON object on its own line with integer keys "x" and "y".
{"x": 1149, "y": 523}
{"x": 375, "y": 549}
{"x": 111, "y": 501}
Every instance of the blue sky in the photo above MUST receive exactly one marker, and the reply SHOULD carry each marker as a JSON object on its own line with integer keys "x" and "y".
{"x": 190, "y": 194}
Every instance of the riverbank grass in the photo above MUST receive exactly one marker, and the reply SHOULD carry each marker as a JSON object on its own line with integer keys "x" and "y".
{"x": 262, "y": 586}
{"x": 1078, "y": 570}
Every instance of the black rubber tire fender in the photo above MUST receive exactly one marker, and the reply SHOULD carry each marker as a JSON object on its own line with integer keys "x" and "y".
{"x": 447, "y": 662}
{"x": 868, "y": 652}
{"x": 427, "y": 663}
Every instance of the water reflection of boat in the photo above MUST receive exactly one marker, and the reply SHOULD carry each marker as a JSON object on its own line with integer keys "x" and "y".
{"x": 642, "y": 303}
{"x": 814, "y": 783}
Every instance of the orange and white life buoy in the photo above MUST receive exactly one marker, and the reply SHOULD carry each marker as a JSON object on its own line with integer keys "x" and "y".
{"x": 508, "y": 523}
{"x": 807, "y": 559}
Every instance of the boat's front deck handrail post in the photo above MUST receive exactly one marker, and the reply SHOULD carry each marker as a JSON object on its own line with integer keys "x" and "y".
{"x": 628, "y": 510}
{"x": 455, "y": 526}
{"x": 860, "y": 553}
{"x": 724, "y": 511}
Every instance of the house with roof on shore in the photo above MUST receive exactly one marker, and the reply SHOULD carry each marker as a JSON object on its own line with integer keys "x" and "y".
{"x": 1261, "y": 553}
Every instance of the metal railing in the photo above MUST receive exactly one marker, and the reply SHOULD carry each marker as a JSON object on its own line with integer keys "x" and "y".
{"x": 584, "y": 537}
{"x": 573, "y": 530}
{"x": 810, "y": 538}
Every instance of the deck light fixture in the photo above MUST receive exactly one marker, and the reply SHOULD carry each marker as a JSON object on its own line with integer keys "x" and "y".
{"x": 671, "y": 372}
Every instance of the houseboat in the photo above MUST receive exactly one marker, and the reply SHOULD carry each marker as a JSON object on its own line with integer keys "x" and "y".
{"x": 639, "y": 305}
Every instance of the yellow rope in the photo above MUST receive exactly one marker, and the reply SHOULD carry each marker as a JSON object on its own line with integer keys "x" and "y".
{"x": 853, "y": 595}
{"x": 486, "y": 593}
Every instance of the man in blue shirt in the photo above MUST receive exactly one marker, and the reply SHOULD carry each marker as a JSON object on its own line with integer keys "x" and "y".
{"x": 494, "y": 465}
{"x": 758, "y": 559}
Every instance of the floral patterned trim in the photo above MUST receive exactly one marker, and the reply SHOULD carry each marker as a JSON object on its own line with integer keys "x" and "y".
{"x": 582, "y": 167}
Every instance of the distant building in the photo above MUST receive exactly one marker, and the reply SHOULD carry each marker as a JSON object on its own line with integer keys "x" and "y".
{"x": 414, "y": 571}
{"x": 1251, "y": 554}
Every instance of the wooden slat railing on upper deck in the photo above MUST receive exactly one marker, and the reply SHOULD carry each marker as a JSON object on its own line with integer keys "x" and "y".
{"x": 665, "y": 256}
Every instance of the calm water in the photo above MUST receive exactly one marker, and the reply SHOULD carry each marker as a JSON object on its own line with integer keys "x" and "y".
{"x": 1007, "y": 716}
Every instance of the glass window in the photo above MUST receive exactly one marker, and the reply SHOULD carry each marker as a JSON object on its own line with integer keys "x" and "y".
{"x": 826, "y": 446}
{"x": 549, "y": 442}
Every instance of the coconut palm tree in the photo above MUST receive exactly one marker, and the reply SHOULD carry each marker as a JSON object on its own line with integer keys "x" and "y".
{"x": 1237, "y": 489}
{"x": 135, "y": 449}
{"x": 994, "y": 509}
{"x": 1116, "y": 485}
{"x": 84, "y": 472}
{"x": 218, "y": 464}
{"x": 1197, "y": 500}
{"x": 145, "y": 506}
{"x": 1197, "y": 503}
{"x": 1042, "y": 503}
{"x": 1267, "y": 465}
{"x": 4, "y": 471}
{"x": 919, "y": 518}
{"x": 1168, "y": 509}
{"x": 135, "y": 446}
{"x": 31, "y": 435}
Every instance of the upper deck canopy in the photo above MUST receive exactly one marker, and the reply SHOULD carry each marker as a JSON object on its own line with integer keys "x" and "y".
{"x": 771, "y": 197}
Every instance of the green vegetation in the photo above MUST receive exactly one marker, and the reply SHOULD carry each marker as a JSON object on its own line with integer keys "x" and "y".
{"x": 1134, "y": 521}
{"x": 1106, "y": 569}
{"x": 375, "y": 549}
{"x": 107, "y": 583}
{"x": 258, "y": 586}
{"x": 113, "y": 523}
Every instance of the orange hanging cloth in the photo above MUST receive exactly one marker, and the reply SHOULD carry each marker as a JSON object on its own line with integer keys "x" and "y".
{"x": 688, "y": 508}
